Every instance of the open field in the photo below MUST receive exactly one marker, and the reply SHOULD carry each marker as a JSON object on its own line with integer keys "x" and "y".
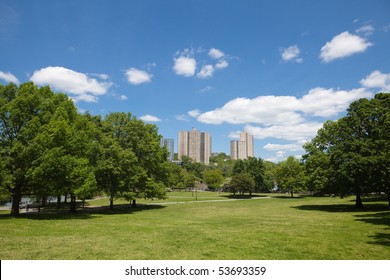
{"x": 275, "y": 227}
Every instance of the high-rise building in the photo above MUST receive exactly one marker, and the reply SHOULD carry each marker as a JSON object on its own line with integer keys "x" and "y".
{"x": 194, "y": 144}
{"x": 243, "y": 148}
{"x": 169, "y": 144}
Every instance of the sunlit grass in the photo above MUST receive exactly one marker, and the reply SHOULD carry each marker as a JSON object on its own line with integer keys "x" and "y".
{"x": 269, "y": 228}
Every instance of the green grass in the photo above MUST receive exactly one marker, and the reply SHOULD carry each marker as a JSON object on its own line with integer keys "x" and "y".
{"x": 266, "y": 228}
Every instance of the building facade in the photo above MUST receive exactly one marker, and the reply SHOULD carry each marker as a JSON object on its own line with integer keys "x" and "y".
{"x": 194, "y": 144}
{"x": 170, "y": 145}
{"x": 243, "y": 148}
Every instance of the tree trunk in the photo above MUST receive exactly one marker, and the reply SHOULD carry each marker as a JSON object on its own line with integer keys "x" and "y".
{"x": 16, "y": 198}
{"x": 134, "y": 204}
{"x": 58, "y": 201}
{"x": 359, "y": 203}
{"x": 111, "y": 204}
{"x": 292, "y": 194}
{"x": 43, "y": 198}
{"x": 388, "y": 197}
{"x": 72, "y": 208}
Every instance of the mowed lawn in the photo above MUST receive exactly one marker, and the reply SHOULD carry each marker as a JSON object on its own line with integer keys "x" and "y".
{"x": 272, "y": 228}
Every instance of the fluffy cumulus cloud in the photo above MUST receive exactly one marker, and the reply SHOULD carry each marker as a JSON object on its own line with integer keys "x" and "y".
{"x": 185, "y": 62}
{"x": 284, "y": 110}
{"x": 8, "y": 77}
{"x": 150, "y": 118}
{"x": 299, "y": 132}
{"x": 343, "y": 45}
{"x": 284, "y": 117}
{"x": 83, "y": 86}
{"x": 135, "y": 76}
{"x": 377, "y": 80}
{"x": 206, "y": 71}
{"x": 184, "y": 66}
{"x": 291, "y": 54}
{"x": 215, "y": 53}
{"x": 282, "y": 147}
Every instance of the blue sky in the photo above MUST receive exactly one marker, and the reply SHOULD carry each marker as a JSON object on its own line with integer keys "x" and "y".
{"x": 277, "y": 69}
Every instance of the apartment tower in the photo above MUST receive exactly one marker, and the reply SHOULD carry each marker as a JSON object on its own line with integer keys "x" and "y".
{"x": 169, "y": 144}
{"x": 243, "y": 148}
{"x": 194, "y": 144}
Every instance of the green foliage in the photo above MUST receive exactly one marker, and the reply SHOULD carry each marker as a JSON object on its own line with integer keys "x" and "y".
{"x": 254, "y": 167}
{"x": 213, "y": 178}
{"x": 241, "y": 183}
{"x": 47, "y": 148}
{"x": 352, "y": 155}
{"x": 290, "y": 175}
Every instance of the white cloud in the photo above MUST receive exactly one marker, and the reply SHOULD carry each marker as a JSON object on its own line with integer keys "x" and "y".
{"x": 150, "y": 118}
{"x": 184, "y": 66}
{"x": 215, "y": 53}
{"x": 206, "y": 71}
{"x": 280, "y": 154}
{"x": 265, "y": 110}
{"x": 283, "y": 110}
{"x": 366, "y": 30}
{"x": 72, "y": 82}
{"x": 291, "y": 54}
{"x": 123, "y": 97}
{"x": 343, "y": 45}
{"x": 182, "y": 118}
{"x": 222, "y": 64}
{"x": 86, "y": 98}
{"x": 137, "y": 77}
{"x": 194, "y": 113}
{"x": 282, "y": 147}
{"x": 377, "y": 79}
{"x": 205, "y": 89}
{"x": 8, "y": 77}
{"x": 299, "y": 132}
{"x": 326, "y": 103}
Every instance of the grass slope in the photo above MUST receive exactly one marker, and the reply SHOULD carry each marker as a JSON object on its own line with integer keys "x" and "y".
{"x": 264, "y": 228}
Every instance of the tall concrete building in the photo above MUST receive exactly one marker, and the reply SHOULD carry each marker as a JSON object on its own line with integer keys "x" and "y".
{"x": 194, "y": 144}
{"x": 169, "y": 143}
{"x": 243, "y": 148}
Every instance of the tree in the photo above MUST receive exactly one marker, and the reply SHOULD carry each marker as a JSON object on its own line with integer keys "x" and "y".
{"x": 270, "y": 178}
{"x": 149, "y": 175}
{"x": 25, "y": 114}
{"x": 241, "y": 183}
{"x": 290, "y": 174}
{"x": 254, "y": 167}
{"x": 351, "y": 155}
{"x": 213, "y": 178}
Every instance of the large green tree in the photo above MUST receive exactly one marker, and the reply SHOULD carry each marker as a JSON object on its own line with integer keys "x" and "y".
{"x": 351, "y": 155}
{"x": 25, "y": 116}
{"x": 148, "y": 175}
{"x": 213, "y": 178}
{"x": 253, "y": 166}
{"x": 290, "y": 175}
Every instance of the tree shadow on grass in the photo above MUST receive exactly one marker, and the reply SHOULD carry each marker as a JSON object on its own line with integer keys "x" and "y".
{"x": 287, "y": 197}
{"x": 334, "y": 208}
{"x": 245, "y": 196}
{"x": 379, "y": 219}
{"x": 52, "y": 213}
{"x": 381, "y": 239}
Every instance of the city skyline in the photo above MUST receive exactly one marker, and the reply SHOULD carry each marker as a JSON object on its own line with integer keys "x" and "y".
{"x": 276, "y": 69}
